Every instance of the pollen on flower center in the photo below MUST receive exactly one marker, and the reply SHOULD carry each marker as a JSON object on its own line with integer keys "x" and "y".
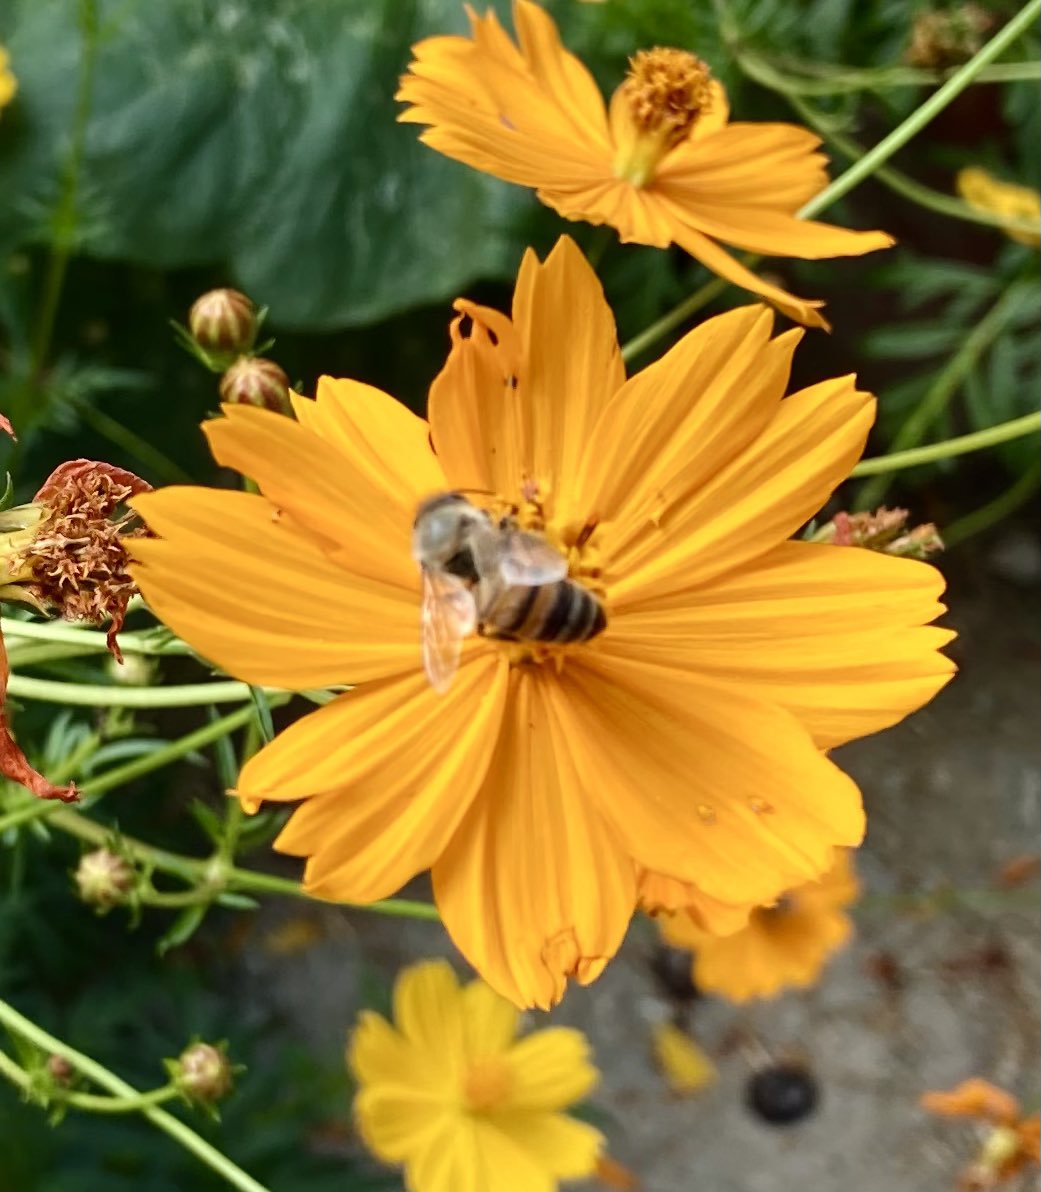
{"x": 487, "y": 1085}
{"x": 664, "y": 94}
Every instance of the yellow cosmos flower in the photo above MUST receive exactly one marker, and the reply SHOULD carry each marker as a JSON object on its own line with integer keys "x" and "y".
{"x": 782, "y": 946}
{"x": 986, "y": 193}
{"x": 8, "y": 83}
{"x": 661, "y": 164}
{"x": 452, "y": 1094}
{"x": 680, "y": 752}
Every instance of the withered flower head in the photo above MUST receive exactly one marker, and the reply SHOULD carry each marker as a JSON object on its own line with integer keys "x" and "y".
{"x": 63, "y": 553}
{"x": 883, "y": 530}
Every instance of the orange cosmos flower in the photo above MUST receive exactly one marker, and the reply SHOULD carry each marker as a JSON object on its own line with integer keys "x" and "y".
{"x": 451, "y": 1093}
{"x": 550, "y": 787}
{"x": 1010, "y": 1147}
{"x": 781, "y": 946}
{"x": 661, "y": 164}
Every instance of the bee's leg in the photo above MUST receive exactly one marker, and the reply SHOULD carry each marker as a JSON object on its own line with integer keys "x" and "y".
{"x": 587, "y": 531}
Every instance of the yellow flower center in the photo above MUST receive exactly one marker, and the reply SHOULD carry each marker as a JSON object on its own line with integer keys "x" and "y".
{"x": 487, "y": 1085}
{"x": 663, "y": 94}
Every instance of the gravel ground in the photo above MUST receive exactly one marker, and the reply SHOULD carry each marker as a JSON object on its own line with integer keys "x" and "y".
{"x": 922, "y": 999}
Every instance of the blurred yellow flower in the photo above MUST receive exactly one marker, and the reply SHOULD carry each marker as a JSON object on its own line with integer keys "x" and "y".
{"x": 8, "y": 83}
{"x": 450, "y": 1093}
{"x": 986, "y": 193}
{"x": 686, "y": 1068}
{"x": 660, "y": 164}
{"x": 550, "y": 788}
{"x": 782, "y": 946}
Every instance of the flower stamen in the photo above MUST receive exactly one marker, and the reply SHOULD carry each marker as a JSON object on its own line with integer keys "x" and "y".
{"x": 664, "y": 94}
{"x": 487, "y": 1085}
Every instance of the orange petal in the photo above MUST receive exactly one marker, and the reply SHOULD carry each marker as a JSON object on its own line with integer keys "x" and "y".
{"x": 835, "y": 634}
{"x": 660, "y": 893}
{"x": 327, "y": 486}
{"x": 257, "y": 596}
{"x": 392, "y": 767}
{"x": 534, "y": 888}
{"x": 734, "y": 796}
{"x": 974, "y": 1097}
{"x": 572, "y": 367}
{"x": 688, "y": 414}
{"x": 753, "y": 503}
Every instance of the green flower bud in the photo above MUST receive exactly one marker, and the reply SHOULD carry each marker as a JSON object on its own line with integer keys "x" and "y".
{"x": 202, "y": 1072}
{"x": 224, "y": 322}
{"x": 254, "y": 381}
{"x": 104, "y": 879}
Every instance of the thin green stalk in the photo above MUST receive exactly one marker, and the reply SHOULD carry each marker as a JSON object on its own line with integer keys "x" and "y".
{"x": 85, "y": 695}
{"x": 159, "y": 465}
{"x": 673, "y": 318}
{"x": 33, "y": 655}
{"x": 216, "y": 874}
{"x": 945, "y": 385}
{"x": 846, "y": 80}
{"x": 924, "y": 196}
{"x": 142, "y": 642}
{"x": 91, "y": 1103}
{"x": 922, "y": 115}
{"x": 1004, "y": 432}
{"x": 994, "y": 511}
{"x": 137, "y": 767}
{"x": 65, "y": 212}
{"x": 184, "y": 1135}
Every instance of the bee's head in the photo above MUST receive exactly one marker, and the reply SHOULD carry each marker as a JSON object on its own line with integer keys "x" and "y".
{"x": 442, "y": 521}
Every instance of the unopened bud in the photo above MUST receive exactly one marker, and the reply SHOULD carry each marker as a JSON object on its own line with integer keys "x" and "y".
{"x": 223, "y": 321}
{"x": 254, "y": 381}
{"x": 884, "y": 530}
{"x": 104, "y": 879}
{"x": 134, "y": 670}
{"x": 947, "y": 37}
{"x": 60, "y": 1070}
{"x": 202, "y": 1072}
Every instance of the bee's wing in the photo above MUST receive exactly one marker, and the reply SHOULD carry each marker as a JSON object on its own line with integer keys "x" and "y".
{"x": 448, "y": 615}
{"x": 529, "y": 560}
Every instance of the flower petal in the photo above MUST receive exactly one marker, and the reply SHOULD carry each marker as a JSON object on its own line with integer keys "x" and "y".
{"x": 753, "y": 503}
{"x": 381, "y": 1057}
{"x": 256, "y": 595}
{"x": 703, "y": 782}
{"x": 324, "y": 488}
{"x": 489, "y": 1021}
{"x": 428, "y": 1010}
{"x": 534, "y": 888}
{"x": 688, "y": 414}
{"x": 398, "y": 1124}
{"x": 837, "y": 635}
{"x": 659, "y": 892}
{"x": 564, "y": 1146}
{"x": 393, "y": 768}
{"x": 550, "y": 1070}
{"x": 572, "y": 367}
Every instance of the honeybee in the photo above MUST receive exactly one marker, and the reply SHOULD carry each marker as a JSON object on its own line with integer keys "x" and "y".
{"x": 489, "y": 576}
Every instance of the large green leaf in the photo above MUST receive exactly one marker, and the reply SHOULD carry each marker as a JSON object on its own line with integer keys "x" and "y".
{"x": 259, "y": 133}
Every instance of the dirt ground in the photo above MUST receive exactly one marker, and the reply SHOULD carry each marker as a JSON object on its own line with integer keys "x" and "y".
{"x": 921, "y": 1000}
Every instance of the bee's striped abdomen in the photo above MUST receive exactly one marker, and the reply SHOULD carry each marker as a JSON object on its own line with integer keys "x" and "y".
{"x": 560, "y": 612}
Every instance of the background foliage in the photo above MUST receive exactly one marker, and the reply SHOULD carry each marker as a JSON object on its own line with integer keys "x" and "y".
{"x": 157, "y": 149}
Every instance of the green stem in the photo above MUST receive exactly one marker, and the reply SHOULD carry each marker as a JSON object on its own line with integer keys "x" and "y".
{"x": 994, "y": 511}
{"x": 919, "y": 118}
{"x": 1004, "y": 432}
{"x": 91, "y": 1103}
{"x": 65, "y": 212}
{"x": 924, "y": 196}
{"x": 161, "y": 466}
{"x": 944, "y": 386}
{"x": 673, "y": 318}
{"x": 100, "y": 1075}
{"x": 137, "y": 768}
{"x": 85, "y": 695}
{"x": 145, "y": 642}
{"x": 216, "y": 875}
{"x": 841, "y": 80}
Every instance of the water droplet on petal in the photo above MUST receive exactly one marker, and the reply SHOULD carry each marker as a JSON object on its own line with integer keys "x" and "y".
{"x": 760, "y": 806}
{"x": 706, "y": 814}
